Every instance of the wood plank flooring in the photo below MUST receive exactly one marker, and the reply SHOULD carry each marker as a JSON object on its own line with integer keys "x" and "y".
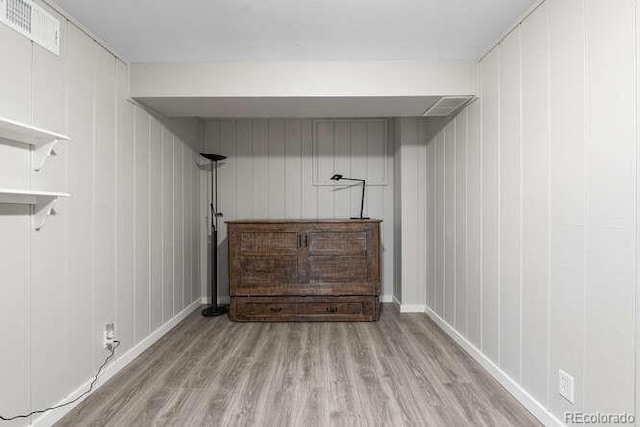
{"x": 400, "y": 371}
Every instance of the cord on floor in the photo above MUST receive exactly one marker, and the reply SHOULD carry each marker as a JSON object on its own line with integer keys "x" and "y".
{"x": 93, "y": 382}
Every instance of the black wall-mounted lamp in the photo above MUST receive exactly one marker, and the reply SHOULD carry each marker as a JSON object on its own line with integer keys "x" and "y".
{"x": 338, "y": 177}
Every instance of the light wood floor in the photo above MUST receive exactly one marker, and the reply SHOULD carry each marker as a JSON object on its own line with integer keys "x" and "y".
{"x": 402, "y": 370}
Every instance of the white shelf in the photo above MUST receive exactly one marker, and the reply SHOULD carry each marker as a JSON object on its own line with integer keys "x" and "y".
{"x": 16, "y": 131}
{"x": 42, "y": 202}
{"x": 43, "y": 140}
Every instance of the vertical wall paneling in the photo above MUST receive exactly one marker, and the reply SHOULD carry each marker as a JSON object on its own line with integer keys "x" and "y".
{"x": 439, "y": 235}
{"x": 551, "y": 206}
{"x": 272, "y": 168}
{"x": 357, "y": 163}
{"x": 510, "y": 205}
{"x": 637, "y": 135}
{"x": 450, "y": 222}
{"x": 421, "y": 196}
{"x": 325, "y": 166}
{"x": 567, "y": 147}
{"x": 47, "y": 110}
{"x": 187, "y": 254}
{"x": 124, "y": 215}
{"x": 260, "y": 161}
{"x": 15, "y": 85}
{"x": 168, "y": 224}
{"x": 104, "y": 196}
{"x": 342, "y": 206}
{"x": 610, "y": 241}
{"x": 535, "y": 204}
{"x": 293, "y": 167}
{"x": 309, "y": 194}
{"x": 244, "y": 168}
{"x": 474, "y": 225}
{"x": 156, "y": 294}
{"x": 141, "y": 161}
{"x": 15, "y": 225}
{"x": 409, "y": 173}
{"x": 461, "y": 222}
{"x": 178, "y": 226}
{"x": 227, "y": 194}
{"x": 276, "y": 168}
{"x": 397, "y": 209}
{"x": 90, "y": 264}
{"x": 490, "y": 89}
{"x": 49, "y": 88}
{"x": 80, "y": 208}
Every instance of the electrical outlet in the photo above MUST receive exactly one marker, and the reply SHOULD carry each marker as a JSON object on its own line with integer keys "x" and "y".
{"x": 565, "y": 385}
{"x": 108, "y": 336}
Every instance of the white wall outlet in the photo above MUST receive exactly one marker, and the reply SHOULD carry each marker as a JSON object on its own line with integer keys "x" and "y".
{"x": 565, "y": 385}
{"x": 108, "y": 336}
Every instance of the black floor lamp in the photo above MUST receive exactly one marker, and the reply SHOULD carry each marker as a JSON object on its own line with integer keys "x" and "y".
{"x": 214, "y": 309}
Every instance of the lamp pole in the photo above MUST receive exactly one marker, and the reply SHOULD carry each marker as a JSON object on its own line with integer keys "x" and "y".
{"x": 214, "y": 309}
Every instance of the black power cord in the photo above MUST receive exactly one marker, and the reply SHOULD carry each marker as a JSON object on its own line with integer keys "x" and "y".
{"x": 95, "y": 379}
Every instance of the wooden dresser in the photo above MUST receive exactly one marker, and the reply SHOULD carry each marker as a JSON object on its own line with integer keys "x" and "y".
{"x": 315, "y": 270}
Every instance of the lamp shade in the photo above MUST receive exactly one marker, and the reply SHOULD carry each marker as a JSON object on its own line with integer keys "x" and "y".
{"x": 214, "y": 157}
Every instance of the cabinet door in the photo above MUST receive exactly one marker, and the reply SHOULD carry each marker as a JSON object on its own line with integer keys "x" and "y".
{"x": 342, "y": 260}
{"x": 263, "y": 261}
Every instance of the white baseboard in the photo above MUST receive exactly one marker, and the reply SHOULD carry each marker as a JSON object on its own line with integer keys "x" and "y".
{"x": 221, "y": 300}
{"x": 386, "y": 298}
{"x": 51, "y": 417}
{"x": 528, "y": 401}
{"x": 407, "y": 308}
{"x": 412, "y": 308}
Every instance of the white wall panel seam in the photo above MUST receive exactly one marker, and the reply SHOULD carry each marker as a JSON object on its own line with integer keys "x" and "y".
{"x": 636, "y": 346}
{"x": 466, "y": 221}
{"x": 455, "y": 222}
{"x": 116, "y": 89}
{"x": 135, "y": 219}
{"x": 481, "y": 209}
{"x": 587, "y": 195}
{"x": 499, "y": 203}
{"x": 173, "y": 225}
{"x": 94, "y": 163}
{"x": 521, "y": 204}
{"x": 149, "y": 248}
{"x": 635, "y": 211}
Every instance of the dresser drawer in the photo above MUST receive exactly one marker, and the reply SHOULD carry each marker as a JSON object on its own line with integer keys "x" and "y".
{"x": 362, "y": 308}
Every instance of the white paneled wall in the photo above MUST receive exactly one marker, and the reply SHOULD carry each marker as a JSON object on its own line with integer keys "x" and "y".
{"x": 272, "y": 167}
{"x": 533, "y": 193}
{"x": 122, "y": 248}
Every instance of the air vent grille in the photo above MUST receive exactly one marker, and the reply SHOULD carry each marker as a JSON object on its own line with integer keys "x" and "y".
{"x": 19, "y": 14}
{"x": 32, "y": 21}
{"x": 447, "y": 105}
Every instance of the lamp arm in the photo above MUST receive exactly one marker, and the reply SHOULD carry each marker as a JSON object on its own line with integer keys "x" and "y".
{"x": 364, "y": 184}
{"x": 352, "y": 179}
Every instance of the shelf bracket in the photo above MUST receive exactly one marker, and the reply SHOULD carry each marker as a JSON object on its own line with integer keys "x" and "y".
{"x": 42, "y": 153}
{"x": 42, "y": 210}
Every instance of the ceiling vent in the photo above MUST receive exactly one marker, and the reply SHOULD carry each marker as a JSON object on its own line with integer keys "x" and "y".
{"x": 447, "y": 105}
{"x": 32, "y": 21}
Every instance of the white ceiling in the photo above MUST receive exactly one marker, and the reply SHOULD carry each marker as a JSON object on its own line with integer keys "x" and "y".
{"x": 332, "y": 30}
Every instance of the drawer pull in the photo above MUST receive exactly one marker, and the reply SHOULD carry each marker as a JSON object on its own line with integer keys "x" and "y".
{"x": 331, "y": 309}
{"x": 276, "y": 309}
